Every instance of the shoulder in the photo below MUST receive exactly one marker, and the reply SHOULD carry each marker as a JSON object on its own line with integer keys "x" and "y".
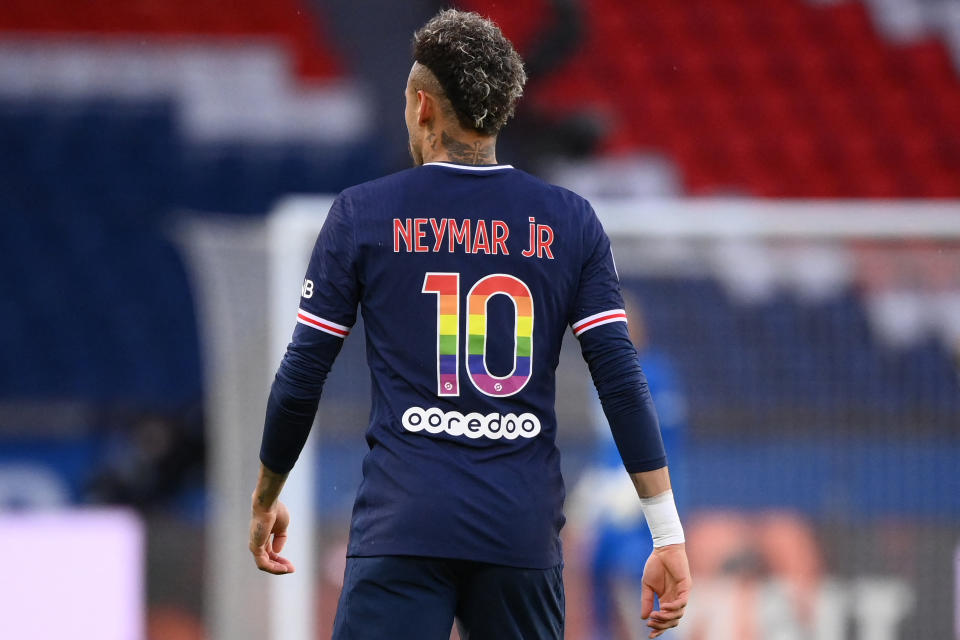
{"x": 389, "y": 190}
{"x": 577, "y": 211}
{"x": 571, "y": 199}
{"x": 384, "y": 187}
{"x": 567, "y": 209}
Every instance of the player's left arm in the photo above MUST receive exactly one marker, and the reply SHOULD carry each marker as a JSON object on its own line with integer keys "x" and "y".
{"x": 667, "y": 572}
{"x": 628, "y": 406}
{"x": 599, "y": 321}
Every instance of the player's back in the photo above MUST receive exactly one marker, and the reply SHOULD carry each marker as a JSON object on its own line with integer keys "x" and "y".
{"x": 467, "y": 278}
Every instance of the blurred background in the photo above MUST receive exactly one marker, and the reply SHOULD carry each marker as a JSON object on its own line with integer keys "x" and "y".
{"x": 781, "y": 180}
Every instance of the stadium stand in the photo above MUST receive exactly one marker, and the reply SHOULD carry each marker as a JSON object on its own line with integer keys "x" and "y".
{"x": 290, "y": 21}
{"x": 94, "y": 167}
{"x": 777, "y": 99}
{"x": 114, "y": 118}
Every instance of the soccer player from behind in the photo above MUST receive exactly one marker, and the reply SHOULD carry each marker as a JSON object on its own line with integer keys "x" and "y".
{"x": 467, "y": 273}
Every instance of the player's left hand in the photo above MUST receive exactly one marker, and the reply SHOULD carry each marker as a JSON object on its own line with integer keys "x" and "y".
{"x": 268, "y": 534}
{"x": 666, "y": 574}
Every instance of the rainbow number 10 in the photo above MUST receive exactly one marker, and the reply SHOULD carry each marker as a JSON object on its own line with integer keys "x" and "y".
{"x": 446, "y": 286}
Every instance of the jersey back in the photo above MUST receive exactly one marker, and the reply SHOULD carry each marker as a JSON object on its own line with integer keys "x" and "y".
{"x": 467, "y": 279}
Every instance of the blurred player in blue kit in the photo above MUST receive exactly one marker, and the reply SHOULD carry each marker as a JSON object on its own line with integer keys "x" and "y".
{"x": 467, "y": 273}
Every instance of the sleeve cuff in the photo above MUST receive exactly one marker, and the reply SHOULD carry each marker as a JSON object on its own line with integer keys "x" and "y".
{"x": 640, "y": 466}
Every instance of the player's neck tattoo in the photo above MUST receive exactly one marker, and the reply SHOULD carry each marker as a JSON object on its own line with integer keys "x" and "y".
{"x": 478, "y": 152}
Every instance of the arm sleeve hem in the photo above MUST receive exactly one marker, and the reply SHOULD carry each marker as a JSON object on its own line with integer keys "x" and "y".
{"x": 274, "y": 466}
{"x": 640, "y": 466}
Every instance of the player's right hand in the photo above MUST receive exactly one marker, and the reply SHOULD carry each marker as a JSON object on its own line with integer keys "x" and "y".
{"x": 268, "y": 534}
{"x": 666, "y": 574}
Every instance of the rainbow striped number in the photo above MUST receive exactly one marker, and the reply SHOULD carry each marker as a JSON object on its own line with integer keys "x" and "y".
{"x": 446, "y": 286}
{"x": 480, "y": 294}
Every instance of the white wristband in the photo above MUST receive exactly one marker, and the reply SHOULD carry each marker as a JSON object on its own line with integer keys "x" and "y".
{"x": 663, "y": 519}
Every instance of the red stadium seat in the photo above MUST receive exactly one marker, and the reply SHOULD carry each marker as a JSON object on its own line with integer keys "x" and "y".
{"x": 289, "y": 20}
{"x": 727, "y": 87}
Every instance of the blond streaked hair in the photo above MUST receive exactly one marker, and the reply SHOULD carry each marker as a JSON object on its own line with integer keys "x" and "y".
{"x": 480, "y": 72}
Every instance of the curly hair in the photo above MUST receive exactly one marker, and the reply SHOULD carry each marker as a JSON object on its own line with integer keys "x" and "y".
{"x": 477, "y": 67}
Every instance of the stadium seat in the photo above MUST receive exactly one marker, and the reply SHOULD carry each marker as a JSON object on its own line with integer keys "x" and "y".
{"x": 794, "y": 68}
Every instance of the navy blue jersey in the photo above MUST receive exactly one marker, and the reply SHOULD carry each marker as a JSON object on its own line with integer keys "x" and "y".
{"x": 467, "y": 278}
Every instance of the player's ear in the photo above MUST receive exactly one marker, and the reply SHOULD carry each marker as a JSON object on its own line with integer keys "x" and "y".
{"x": 425, "y": 107}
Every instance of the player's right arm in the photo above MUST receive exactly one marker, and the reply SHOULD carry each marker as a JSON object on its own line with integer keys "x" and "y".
{"x": 328, "y": 307}
{"x": 600, "y": 322}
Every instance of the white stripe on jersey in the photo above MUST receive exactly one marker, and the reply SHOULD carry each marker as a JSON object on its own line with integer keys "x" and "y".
{"x": 597, "y": 319}
{"x": 334, "y": 329}
{"x": 488, "y": 167}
